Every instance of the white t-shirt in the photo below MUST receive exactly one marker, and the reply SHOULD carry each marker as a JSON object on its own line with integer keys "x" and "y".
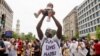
{"x": 50, "y": 46}
{"x": 81, "y": 51}
{"x": 7, "y": 45}
{"x": 73, "y": 46}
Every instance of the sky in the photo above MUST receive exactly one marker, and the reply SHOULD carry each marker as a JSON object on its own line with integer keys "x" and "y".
{"x": 24, "y": 11}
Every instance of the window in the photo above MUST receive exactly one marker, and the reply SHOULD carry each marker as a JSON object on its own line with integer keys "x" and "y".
{"x": 88, "y": 1}
{"x": 92, "y": 29}
{"x": 92, "y": 9}
{"x": 98, "y": 0}
{"x": 85, "y": 19}
{"x": 98, "y": 20}
{"x": 94, "y": 22}
{"x": 92, "y": 4}
{"x": 89, "y": 11}
{"x": 83, "y": 31}
{"x": 88, "y": 19}
{"x": 95, "y": 1}
{"x": 86, "y": 8}
{"x": 89, "y": 30}
{"x": 82, "y": 11}
{"x": 97, "y": 14}
{"x": 85, "y": 14}
{"x": 81, "y": 22}
{"x": 96, "y": 7}
{"x": 89, "y": 6}
{"x": 99, "y": 5}
{"x": 86, "y": 30}
{"x": 93, "y": 15}
{"x": 86, "y": 24}
{"x": 91, "y": 23}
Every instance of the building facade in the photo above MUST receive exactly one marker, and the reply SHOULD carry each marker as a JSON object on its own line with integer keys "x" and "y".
{"x": 18, "y": 27}
{"x": 70, "y": 26}
{"x": 7, "y": 11}
{"x": 88, "y": 17}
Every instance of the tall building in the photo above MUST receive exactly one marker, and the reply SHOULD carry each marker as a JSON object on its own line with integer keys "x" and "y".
{"x": 88, "y": 17}
{"x": 18, "y": 27}
{"x": 7, "y": 11}
{"x": 70, "y": 26}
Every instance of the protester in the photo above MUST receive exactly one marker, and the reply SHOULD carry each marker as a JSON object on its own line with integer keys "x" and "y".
{"x": 50, "y": 40}
{"x": 65, "y": 52}
{"x": 87, "y": 45}
{"x": 13, "y": 48}
{"x": 7, "y": 46}
{"x": 19, "y": 47}
{"x": 37, "y": 50}
{"x": 2, "y": 47}
{"x": 97, "y": 48}
{"x": 27, "y": 51}
{"x": 73, "y": 46}
{"x": 81, "y": 49}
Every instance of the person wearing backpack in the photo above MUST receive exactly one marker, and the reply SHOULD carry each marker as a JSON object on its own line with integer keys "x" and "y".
{"x": 50, "y": 44}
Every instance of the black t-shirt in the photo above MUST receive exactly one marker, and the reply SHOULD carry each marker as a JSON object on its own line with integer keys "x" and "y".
{"x": 2, "y": 46}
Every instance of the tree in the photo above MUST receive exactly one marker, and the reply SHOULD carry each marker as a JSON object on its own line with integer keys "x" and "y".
{"x": 15, "y": 35}
{"x": 77, "y": 35}
{"x": 98, "y": 32}
{"x": 88, "y": 36}
{"x": 30, "y": 36}
{"x": 23, "y": 36}
{"x": 64, "y": 38}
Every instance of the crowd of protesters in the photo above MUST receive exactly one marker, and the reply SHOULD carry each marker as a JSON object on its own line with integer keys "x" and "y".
{"x": 73, "y": 47}
{"x": 81, "y": 47}
{"x": 18, "y": 47}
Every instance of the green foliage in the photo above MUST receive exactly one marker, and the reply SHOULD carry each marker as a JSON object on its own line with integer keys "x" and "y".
{"x": 77, "y": 35}
{"x": 88, "y": 36}
{"x": 98, "y": 32}
{"x": 15, "y": 35}
{"x": 28, "y": 36}
{"x": 24, "y": 36}
{"x": 64, "y": 38}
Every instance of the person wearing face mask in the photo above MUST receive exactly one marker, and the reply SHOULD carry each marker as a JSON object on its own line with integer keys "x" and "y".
{"x": 73, "y": 46}
{"x": 81, "y": 49}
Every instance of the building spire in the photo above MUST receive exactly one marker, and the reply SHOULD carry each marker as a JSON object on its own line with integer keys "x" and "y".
{"x": 18, "y": 26}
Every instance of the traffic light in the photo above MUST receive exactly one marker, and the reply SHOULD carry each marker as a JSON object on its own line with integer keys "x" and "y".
{"x": 3, "y": 20}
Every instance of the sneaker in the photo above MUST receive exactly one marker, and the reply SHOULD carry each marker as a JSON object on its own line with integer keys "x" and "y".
{"x": 36, "y": 15}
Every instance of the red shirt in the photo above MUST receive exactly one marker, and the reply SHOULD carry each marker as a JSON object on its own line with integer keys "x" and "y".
{"x": 20, "y": 45}
{"x": 97, "y": 48}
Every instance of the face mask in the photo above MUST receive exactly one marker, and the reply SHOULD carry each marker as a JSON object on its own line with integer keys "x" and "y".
{"x": 73, "y": 41}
